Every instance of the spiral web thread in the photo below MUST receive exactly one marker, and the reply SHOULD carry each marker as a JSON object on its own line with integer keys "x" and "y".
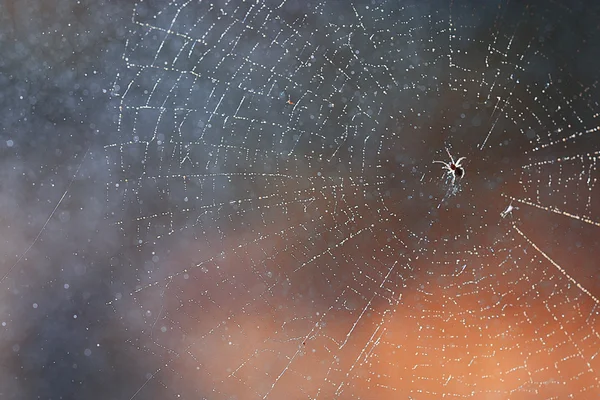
{"x": 274, "y": 167}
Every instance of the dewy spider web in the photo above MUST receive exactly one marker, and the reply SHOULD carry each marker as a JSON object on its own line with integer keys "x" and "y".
{"x": 273, "y": 166}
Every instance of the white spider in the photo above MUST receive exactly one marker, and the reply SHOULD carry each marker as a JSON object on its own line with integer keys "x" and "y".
{"x": 454, "y": 168}
{"x": 508, "y": 211}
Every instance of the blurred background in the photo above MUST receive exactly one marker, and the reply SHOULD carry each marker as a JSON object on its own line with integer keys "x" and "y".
{"x": 241, "y": 200}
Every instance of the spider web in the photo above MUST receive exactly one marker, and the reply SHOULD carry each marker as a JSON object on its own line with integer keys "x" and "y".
{"x": 286, "y": 232}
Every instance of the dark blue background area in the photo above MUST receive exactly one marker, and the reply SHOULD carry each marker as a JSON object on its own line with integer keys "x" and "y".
{"x": 58, "y": 61}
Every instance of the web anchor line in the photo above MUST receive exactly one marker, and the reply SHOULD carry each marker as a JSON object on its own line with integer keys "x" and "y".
{"x": 47, "y": 220}
{"x": 556, "y": 211}
{"x": 561, "y": 269}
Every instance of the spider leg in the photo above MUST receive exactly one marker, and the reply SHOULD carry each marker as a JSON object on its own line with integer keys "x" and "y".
{"x": 459, "y": 161}
{"x": 450, "y": 155}
{"x": 442, "y": 162}
{"x": 446, "y": 166}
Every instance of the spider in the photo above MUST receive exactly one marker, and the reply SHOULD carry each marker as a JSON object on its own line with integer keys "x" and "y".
{"x": 508, "y": 210}
{"x": 454, "y": 168}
